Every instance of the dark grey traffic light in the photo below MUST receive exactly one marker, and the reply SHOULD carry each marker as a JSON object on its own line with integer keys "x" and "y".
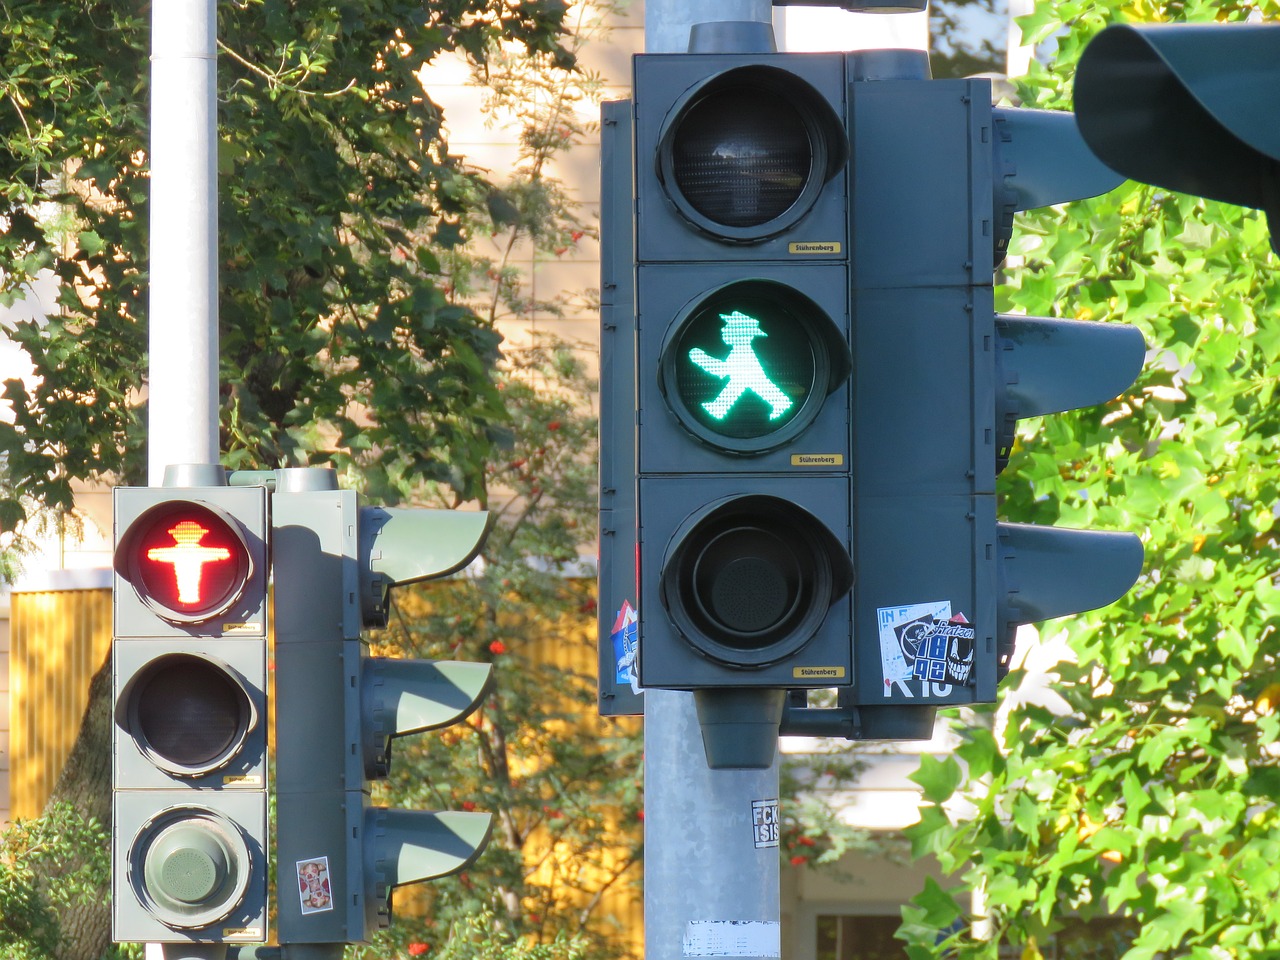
{"x": 823, "y": 393}
{"x": 1189, "y": 107}
{"x": 741, "y": 385}
{"x": 939, "y": 382}
{"x": 189, "y": 741}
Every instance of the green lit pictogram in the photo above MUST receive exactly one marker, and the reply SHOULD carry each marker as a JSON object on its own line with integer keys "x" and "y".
{"x": 744, "y": 366}
{"x": 741, "y": 369}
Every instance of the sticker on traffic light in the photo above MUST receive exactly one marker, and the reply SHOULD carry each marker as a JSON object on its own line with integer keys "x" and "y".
{"x": 748, "y": 366}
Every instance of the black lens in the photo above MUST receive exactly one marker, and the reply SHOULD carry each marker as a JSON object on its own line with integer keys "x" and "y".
{"x": 190, "y": 712}
{"x": 749, "y": 579}
{"x": 742, "y": 156}
{"x": 747, "y": 582}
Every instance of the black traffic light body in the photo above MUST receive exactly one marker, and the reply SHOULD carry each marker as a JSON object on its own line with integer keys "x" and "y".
{"x": 842, "y": 249}
{"x": 742, "y": 368}
{"x": 189, "y": 738}
{"x": 940, "y": 381}
{"x": 1187, "y": 107}
{"x": 338, "y": 857}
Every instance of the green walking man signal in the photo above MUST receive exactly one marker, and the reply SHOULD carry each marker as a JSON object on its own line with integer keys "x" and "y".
{"x": 742, "y": 368}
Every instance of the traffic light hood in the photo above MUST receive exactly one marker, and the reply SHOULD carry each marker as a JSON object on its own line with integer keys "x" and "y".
{"x": 419, "y": 545}
{"x": 1189, "y": 107}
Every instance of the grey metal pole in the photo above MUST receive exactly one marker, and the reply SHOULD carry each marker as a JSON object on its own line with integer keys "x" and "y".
{"x": 710, "y": 836}
{"x": 182, "y": 406}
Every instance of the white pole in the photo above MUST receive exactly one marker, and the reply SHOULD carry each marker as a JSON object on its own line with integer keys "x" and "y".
{"x": 183, "y": 376}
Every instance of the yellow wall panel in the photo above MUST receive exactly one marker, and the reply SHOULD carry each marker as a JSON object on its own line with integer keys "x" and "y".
{"x": 59, "y": 639}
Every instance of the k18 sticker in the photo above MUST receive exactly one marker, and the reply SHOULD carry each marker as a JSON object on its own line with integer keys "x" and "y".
{"x": 926, "y": 642}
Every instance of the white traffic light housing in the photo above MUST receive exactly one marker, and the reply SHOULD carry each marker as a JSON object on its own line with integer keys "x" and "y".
{"x": 189, "y": 740}
{"x": 339, "y": 858}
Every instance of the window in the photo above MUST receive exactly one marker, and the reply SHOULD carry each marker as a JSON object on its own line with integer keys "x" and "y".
{"x": 859, "y": 938}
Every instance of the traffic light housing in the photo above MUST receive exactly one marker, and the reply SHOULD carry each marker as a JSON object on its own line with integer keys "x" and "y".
{"x": 742, "y": 363}
{"x": 1178, "y": 106}
{"x": 338, "y": 857}
{"x": 189, "y": 740}
{"x": 940, "y": 381}
{"x": 823, "y": 394}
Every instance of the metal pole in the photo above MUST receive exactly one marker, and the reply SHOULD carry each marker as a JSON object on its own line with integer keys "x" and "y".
{"x": 182, "y": 406}
{"x": 710, "y": 836}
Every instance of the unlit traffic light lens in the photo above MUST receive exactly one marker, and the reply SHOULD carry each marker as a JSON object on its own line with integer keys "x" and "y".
{"x": 189, "y": 713}
{"x": 747, "y": 153}
{"x": 750, "y": 579}
{"x": 742, "y": 156}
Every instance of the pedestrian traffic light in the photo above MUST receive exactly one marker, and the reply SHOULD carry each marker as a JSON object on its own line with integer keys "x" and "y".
{"x": 338, "y": 709}
{"x": 1181, "y": 106}
{"x": 189, "y": 739}
{"x": 939, "y": 382}
{"x": 742, "y": 362}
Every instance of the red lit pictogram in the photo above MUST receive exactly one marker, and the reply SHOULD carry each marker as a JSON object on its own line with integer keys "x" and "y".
{"x": 188, "y": 557}
{"x": 188, "y": 561}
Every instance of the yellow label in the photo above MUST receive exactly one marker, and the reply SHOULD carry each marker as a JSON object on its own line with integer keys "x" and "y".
{"x": 247, "y": 780}
{"x": 817, "y": 673}
{"x": 817, "y": 459}
{"x": 243, "y": 933}
{"x": 254, "y": 628}
{"x": 814, "y": 246}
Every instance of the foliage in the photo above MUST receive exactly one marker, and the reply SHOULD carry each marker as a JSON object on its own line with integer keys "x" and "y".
{"x": 564, "y": 786}
{"x": 47, "y": 864}
{"x": 1146, "y": 795}
{"x": 338, "y": 201}
{"x": 966, "y": 37}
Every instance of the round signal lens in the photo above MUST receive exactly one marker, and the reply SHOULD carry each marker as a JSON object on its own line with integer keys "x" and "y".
{"x": 187, "y": 561}
{"x": 741, "y": 156}
{"x": 189, "y": 714}
{"x": 745, "y": 155}
{"x": 190, "y": 867}
{"x": 749, "y": 581}
{"x": 748, "y": 367}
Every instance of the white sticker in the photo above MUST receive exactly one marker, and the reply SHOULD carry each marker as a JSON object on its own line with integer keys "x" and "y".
{"x": 764, "y": 822}
{"x": 901, "y": 630}
{"x": 733, "y": 938}
{"x": 924, "y": 647}
{"x": 313, "y": 885}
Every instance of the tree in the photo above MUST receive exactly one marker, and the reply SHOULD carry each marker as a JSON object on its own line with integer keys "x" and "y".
{"x": 338, "y": 200}
{"x": 1143, "y": 801}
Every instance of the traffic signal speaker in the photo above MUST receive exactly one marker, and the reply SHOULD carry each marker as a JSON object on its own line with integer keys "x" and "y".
{"x": 189, "y": 742}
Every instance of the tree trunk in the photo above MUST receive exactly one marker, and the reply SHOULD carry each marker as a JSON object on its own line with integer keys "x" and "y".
{"x": 85, "y": 783}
